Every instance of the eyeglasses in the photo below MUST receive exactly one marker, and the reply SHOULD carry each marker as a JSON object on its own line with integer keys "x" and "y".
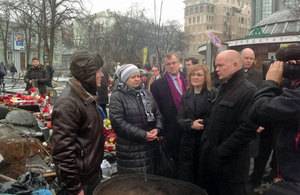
{"x": 173, "y": 63}
{"x": 154, "y": 70}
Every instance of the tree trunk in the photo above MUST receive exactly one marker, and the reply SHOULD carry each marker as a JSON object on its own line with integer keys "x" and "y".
{"x": 5, "y": 43}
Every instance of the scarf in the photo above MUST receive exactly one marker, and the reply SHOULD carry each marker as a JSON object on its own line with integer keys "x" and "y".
{"x": 175, "y": 94}
{"x": 140, "y": 94}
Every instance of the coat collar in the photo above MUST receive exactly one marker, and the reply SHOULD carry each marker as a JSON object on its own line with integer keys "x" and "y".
{"x": 237, "y": 78}
{"x": 86, "y": 97}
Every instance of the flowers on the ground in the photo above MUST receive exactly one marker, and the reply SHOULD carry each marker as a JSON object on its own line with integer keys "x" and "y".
{"x": 20, "y": 99}
{"x": 110, "y": 137}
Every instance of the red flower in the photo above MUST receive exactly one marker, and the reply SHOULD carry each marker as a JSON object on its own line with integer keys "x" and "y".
{"x": 24, "y": 97}
{"x": 19, "y": 95}
{"x": 49, "y": 125}
{"x": 32, "y": 90}
{"x": 46, "y": 110}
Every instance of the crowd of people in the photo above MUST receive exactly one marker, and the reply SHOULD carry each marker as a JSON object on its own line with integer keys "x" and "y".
{"x": 209, "y": 131}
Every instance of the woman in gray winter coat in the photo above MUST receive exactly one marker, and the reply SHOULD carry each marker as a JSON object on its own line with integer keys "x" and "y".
{"x": 137, "y": 121}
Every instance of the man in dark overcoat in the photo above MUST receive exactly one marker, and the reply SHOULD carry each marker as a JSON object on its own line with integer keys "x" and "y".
{"x": 225, "y": 150}
{"x": 167, "y": 92}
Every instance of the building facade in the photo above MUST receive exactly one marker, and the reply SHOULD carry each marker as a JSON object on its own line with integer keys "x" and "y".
{"x": 16, "y": 49}
{"x": 280, "y": 29}
{"x": 228, "y": 19}
{"x": 263, "y": 8}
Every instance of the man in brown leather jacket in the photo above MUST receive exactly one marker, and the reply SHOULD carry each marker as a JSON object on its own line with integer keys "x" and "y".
{"x": 78, "y": 138}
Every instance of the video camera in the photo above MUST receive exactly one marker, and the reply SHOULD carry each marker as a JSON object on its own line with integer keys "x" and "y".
{"x": 286, "y": 54}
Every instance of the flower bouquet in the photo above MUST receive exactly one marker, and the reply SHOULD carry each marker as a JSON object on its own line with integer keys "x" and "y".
{"x": 110, "y": 137}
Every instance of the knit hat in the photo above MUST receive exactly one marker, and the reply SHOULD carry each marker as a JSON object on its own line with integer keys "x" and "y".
{"x": 126, "y": 70}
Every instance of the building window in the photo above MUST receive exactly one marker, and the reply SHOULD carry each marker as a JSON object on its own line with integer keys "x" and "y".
{"x": 292, "y": 27}
{"x": 208, "y": 8}
{"x": 212, "y": 10}
{"x": 186, "y": 11}
{"x": 196, "y": 10}
{"x": 190, "y": 20}
{"x": 201, "y": 8}
{"x": 191, "y": 10}
{"x": 280, "y": 28}
{"x": 33, "y": 55}
{"x": 194, "y": 20}
{"x": 198, "y": 19}
{"x": 9, "y": 55}
{"x": 56, "y": 58}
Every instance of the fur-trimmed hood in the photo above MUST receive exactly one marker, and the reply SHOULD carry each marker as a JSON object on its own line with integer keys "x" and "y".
{"x": 86, "y": 97}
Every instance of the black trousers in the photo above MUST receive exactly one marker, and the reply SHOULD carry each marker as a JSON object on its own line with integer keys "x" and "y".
{"x": 216, "y": 186}
{"x": 267, "y": 142}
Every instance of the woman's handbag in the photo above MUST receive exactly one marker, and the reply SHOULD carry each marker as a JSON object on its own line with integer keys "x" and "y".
{"x": 166, "y": 165}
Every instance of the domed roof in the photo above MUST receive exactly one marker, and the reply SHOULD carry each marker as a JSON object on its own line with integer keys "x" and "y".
{"x": 284, "y": 15}
{"x": 282, "y": 22}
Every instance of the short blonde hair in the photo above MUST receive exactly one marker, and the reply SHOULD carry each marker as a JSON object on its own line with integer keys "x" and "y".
{"x": 207, "y": 79}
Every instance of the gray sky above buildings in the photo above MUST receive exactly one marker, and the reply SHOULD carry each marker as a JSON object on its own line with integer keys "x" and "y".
{"x": 171, "y": 9}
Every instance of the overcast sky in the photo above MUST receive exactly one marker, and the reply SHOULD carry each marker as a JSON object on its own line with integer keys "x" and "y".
{"x": 171, "y": 9}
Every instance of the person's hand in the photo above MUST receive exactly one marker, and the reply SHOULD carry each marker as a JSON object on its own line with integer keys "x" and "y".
{"x": 81, "y": 192}
{"x": 151, "y": 135}
{"x": 30, "y": 81}
{"x": 197, "y": 124}
{"x": 260, "y": 129}
{"x": 275, "y": 72}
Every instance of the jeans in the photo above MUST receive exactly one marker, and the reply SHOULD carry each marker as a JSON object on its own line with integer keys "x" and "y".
{"x": 13, "y": 76}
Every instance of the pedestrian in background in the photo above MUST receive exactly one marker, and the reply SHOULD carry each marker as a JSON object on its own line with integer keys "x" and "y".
{"x": 102, "y": 91}
{"x": 2, "y": 74}
{"x": 50, "y": 71}
{"x": 37, "y": 76}
{"x": 155, "y": 74}
{"x": 13, "y": 71}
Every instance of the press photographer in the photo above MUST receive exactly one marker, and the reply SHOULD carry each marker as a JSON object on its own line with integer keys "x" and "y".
{"x": 279, "y": 108}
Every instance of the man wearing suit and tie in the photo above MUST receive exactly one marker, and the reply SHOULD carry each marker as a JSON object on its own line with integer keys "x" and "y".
{"x": 167, "y": 92}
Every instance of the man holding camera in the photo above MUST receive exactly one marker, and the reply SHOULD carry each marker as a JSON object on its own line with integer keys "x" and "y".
{"x": 279, "y": 108}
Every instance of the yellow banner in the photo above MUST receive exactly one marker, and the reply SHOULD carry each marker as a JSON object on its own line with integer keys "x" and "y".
{"x": 145, "y": 55}
{"x": 286, "y": 44}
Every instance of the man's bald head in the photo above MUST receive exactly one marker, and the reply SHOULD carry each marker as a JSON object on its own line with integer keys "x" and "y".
{"x": 227, "y": 63}
{"x": 232, "y": 56}
{"x": 248, "y": 57}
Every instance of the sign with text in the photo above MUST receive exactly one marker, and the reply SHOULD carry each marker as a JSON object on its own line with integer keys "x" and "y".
{"x": 18, "y": 41}
{"x": 214, "y": 39}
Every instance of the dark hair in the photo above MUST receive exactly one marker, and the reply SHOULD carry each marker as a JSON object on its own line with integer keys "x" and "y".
{"x": 194, "y": 60}
{"x": 156, "y": 66}
{"x": 169, "y": 55}
{"x": 35, "y": 59}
